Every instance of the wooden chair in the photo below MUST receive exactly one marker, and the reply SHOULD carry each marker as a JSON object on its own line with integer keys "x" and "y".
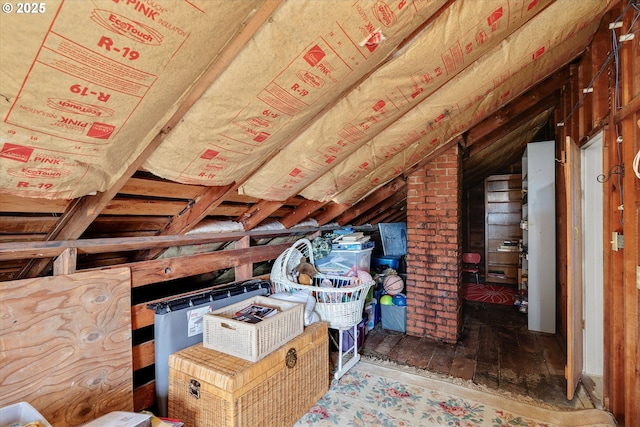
{"x": 471, "y": 264}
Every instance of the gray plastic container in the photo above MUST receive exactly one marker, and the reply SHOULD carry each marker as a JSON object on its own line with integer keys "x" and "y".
{"x": 178, "y": 325}
{"x": 394, "y": 317}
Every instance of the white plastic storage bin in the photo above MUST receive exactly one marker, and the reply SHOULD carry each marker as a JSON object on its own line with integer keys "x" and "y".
{"x": 19, "y": 414}
{"x": 340, "y": 262}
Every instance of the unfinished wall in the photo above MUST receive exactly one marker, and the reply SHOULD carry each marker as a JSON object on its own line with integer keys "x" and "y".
{"x": 611, "y": 69}
{"x": 434, "y": 243}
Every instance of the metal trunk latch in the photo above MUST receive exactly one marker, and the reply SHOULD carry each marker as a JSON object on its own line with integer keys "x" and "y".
{"x": 194, "y": 388}
{"x": 291, "y": 358}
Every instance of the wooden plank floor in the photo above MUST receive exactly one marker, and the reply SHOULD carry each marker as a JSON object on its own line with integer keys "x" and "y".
{"x": 495, "y": 349}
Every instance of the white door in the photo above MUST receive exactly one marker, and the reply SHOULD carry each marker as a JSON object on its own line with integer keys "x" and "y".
{"x": 592, "y": 250}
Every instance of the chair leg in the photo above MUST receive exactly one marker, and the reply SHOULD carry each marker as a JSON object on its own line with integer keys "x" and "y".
{"x": 477, "y": 278}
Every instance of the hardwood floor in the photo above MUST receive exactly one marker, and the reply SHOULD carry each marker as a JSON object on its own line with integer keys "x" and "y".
{"x": 495, "y": 349}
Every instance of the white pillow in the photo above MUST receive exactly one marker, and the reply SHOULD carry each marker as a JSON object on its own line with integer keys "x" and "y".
{"x": 301, "y": 296}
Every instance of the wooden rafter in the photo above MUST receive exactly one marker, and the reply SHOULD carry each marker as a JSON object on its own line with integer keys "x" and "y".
{"x": 331, "y": 211}
{"x": 515, "y": 113}
{"x": 300, "y": 213}
{"x": 372, "y": 200}
{"x": 258, "y": 213}
{"x": 192, "y": 214}
{"x": 538, "y": 107}
{"x": 389, "y": 205}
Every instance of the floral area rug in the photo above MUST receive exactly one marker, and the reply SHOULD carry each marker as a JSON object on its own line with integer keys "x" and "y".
{"x": 493, "y": 294}
{"x": 374, "y": 395}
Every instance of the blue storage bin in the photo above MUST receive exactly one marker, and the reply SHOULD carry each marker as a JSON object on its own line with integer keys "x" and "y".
{"x": 383, "y": 262}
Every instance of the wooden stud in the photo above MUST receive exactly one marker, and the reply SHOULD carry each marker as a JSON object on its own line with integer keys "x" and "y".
{"x": 65, "y": 263}
{"x": 243, "y": 271}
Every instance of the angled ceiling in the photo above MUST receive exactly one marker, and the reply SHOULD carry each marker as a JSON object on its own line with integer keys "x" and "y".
{"x": 148, "y": 117}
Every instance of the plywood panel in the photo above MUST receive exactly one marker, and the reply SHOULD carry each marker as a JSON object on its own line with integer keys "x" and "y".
{"x": 65, "y": 345}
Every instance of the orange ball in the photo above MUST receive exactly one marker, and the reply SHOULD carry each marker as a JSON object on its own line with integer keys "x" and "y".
{"x": 393, "y": 284}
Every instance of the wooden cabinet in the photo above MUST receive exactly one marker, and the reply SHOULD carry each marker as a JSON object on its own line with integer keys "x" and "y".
{"x": 503, "y": 212}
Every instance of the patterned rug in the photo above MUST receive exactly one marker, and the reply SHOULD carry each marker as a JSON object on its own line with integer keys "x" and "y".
{"x": 374, "y": 395}
{"x": 493, "y": 294}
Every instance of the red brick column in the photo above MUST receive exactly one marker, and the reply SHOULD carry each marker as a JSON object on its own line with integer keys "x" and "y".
{"x": 434, "y": 244}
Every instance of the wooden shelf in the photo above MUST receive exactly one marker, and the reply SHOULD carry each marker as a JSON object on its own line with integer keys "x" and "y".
{"x": 503, "y": 210}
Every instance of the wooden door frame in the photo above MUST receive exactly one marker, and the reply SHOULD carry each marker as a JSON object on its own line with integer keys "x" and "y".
{"x": 575, "y": 322}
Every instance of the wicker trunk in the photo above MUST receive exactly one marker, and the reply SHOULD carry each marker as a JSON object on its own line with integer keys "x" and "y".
{"x": 208, "y": 388}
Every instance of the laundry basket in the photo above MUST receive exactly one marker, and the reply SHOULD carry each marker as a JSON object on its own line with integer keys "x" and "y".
{"x": 340, "y": 304}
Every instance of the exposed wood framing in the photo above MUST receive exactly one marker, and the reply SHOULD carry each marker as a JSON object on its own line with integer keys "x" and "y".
{"x": 628, "y": 118}
{"x": 258, "y": 213}
{"x": 66, "y": 262}
{"x": 627, "y": 110}
{"x": 145, "y": 213}
{"x": 303, "y": 211}
{"x": 371, "y": 201}
{"x": 193, "y": 213}
{"x": 161, "y": 270}
{"x": 586, "y": 108}
{"x": 584, "y": 114}
{"x": 330, "y": 212}
{"x": 515, "y": 113}
{"x": 599, "y": 98}
{"x": 11, "y": 251}
{"x": 383, "y": 207}
{"x": 245, "y": 270}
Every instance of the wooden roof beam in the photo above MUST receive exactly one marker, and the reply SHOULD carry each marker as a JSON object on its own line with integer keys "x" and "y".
{"x": 514, "y": 123}
{"x": 386, "y": 205}
{"x": 489, "y": 128}
{"x": 331, "y": 211}
{"x": 258, "y": 213}
{"x": 302, "y": 212}
{"x": 191, "y": 215}
{"x": 401, "y": 215}
{"x": 371, "y": 201}
{"x": 49, "y": 249}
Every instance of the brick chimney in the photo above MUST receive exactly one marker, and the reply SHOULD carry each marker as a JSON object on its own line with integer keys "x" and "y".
{"x": 434, "y": 245}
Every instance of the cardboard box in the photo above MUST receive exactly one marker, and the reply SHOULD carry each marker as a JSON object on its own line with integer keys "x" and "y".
{"x": 210, "y": 388}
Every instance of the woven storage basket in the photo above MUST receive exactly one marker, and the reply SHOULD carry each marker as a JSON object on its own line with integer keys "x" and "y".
{"x": 210, "y": 389}
{"x": 340, "y": 305}
{"x": 252, "y": 341}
